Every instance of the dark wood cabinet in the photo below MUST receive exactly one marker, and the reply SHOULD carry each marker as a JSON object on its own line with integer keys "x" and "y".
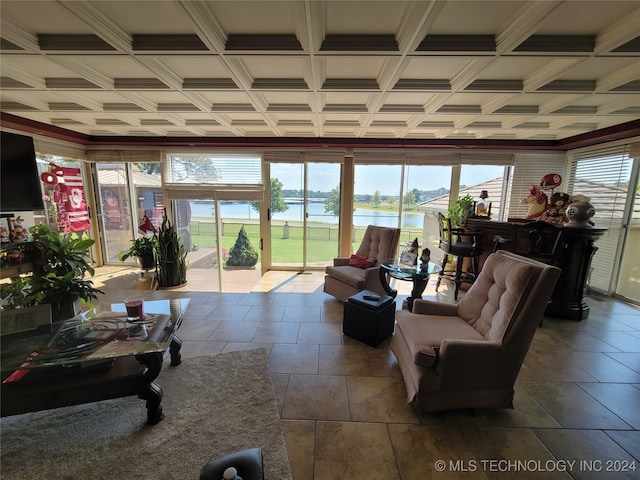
{"x": 573, "y": 255}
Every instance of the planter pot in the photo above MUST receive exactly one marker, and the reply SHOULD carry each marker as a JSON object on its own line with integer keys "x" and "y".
{"x": 64, "y": 310}
{"x": 173, "y": 287}
{"x": 147, "y": 262}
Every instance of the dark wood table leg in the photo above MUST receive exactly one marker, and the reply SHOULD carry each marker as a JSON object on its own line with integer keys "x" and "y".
{"x": 174, "y": 351}
{"x": 385, "y": 284}
{"x": 148, "y": 389}
{"x": 419, "y": 285}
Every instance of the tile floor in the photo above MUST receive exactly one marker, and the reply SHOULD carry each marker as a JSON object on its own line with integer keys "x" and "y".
{"x": 342, "y": 403}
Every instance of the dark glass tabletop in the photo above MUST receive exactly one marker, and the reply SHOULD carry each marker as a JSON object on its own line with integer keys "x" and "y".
{"x": 406, "y": 272}
{"x": 104, "y": 332}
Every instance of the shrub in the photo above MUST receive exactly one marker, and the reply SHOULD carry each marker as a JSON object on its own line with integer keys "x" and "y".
{"x": 242, "y": 254}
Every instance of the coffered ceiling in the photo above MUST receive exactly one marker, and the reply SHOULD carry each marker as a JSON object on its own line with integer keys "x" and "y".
{"x": 515, "y": 70}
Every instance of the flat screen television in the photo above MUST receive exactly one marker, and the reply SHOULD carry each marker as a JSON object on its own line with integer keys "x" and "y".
{"x": 19, "y": 180}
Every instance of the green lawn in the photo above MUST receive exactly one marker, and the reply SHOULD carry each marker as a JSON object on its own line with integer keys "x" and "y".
{"x": 322, "y": 241}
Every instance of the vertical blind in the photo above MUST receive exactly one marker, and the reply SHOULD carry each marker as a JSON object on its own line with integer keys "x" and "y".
{"x": 603, "y": 175}
{"x": 528, "y": 170}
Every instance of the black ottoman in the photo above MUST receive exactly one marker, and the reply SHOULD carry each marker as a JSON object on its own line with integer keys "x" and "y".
{"x": 369, "y": 321}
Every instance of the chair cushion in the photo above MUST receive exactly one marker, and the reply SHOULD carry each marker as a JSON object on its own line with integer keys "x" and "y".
{"x": 491, "y": 303}
{"x": 425, "y": 333}
{"x": 352, "y": 276}
{"x": 361, "y": 262}
{"x": 379, "y": 243}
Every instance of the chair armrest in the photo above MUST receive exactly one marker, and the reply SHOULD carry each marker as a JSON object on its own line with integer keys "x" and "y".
{"x": 340, "y": 262}
{"x": 429, "y": 307}
{"x": 473, "y": 363}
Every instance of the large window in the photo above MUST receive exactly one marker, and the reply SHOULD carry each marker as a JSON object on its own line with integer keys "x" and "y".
{"x": 604, "y": 175}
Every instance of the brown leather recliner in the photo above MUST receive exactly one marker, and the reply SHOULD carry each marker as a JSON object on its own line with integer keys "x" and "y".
{"x": 342, "y": 280}
{"x": 469, "y": 354}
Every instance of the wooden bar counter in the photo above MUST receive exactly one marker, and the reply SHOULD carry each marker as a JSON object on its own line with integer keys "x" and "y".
{"x": 573, "y": 255}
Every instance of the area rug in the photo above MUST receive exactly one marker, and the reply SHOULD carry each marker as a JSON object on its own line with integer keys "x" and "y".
{"x": 214, "y": 405}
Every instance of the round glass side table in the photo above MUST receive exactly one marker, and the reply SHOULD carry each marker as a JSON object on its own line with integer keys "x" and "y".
{"x": 418, "y": 274}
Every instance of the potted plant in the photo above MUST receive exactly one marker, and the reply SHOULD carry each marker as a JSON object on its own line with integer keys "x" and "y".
{"x": 461, "y": 209}
{"x": 172, "y": 257}
{"x": 144, "y": 248}
{"x": 59, "y": 280}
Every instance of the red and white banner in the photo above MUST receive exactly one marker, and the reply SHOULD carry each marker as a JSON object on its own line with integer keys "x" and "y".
{"x": 73, "y": 214}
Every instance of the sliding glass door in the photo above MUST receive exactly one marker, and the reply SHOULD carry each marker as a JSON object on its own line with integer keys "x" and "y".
{"x": 304, "y": 214}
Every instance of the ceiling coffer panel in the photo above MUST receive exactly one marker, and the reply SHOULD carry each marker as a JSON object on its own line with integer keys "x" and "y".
{"x": 69, "y": 83}
{"x": 73, "y": 42}
{"x": 139, "y": 84}
{"x": 280, "y": 42}
{"x": 7, "y": 82}
{"x": 437, "y": 85}
{"x": 389, "y": 69}
{"x": 350, "y": 84}
{"x": 359, "y": 43}
{"x": 495, "y": 85}
{"x": 208, "y": 84}
{"x": 280, "y": 84}
{"x": 164, "y": 42}
{"x": 458, "y": 43}
{"x": 558, "y": 43}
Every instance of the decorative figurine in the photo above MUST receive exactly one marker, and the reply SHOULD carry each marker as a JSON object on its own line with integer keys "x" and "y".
{"x": 537, "y": 201}
{"x": 483, "y": 205}
{"x": 4, "y": 235}
{"x": 579, "y": 212}
{"x": 409, "y": 256}
{"x": 555, "y": 212}
{"x": 425, "y": 258}
{"x": 18, "y": 233}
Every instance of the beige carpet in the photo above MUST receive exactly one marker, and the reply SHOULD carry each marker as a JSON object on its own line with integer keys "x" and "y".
{"x": 214, "y": 405}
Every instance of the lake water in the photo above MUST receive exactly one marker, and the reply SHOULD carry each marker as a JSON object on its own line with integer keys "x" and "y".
{"x": 316, "y": 214}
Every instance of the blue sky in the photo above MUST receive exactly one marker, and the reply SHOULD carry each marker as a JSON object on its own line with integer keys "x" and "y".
{"x": 382, "y": 178}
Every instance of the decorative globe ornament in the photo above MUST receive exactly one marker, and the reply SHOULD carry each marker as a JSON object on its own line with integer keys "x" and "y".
{"x": 579, "y": 212}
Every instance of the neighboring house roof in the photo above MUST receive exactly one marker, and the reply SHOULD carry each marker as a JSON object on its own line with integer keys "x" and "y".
{"x": 116, "y": 177}
{"x": 608, "y": 200}
{"x": 441, "y": 203}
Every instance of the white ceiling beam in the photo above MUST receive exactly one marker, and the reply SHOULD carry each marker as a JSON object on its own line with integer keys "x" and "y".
{"x": 435, "y": 102}
{"x": 512, "y": 121}
{"x": 139, "y": 100}
{"x": 101, "y": 24}
{"x": 207, "y": 26}
{"x": 524, "y": 24}
{"x": 496, "y": 102}
{"x": 565, "y": 121}
{"x": 558, "y": 102}
{"x": 160, "y": 70}
{"x": 619, "y": 103}
{"x": 470, "y": 72}
{"x": 619, "y": 33}
{"x": 18, "y": 36}
{"x": 83, "y": 70}
{"x": 27, "y": 100}
{"x": 80, "y": 99}
{"x": 619, "y": 77}
{"x": 22, "y": 76}
{"x": 549, "y": 72}
{"x": 416, "y": 22}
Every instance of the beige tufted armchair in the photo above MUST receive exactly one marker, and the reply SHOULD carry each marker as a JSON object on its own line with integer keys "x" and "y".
{"x": 469, "y": 354}
{"x": 342, "y": 280}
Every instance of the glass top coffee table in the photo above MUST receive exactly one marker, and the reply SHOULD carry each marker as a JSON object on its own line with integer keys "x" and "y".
{"x": 96, "y": 355}
{"x": 418, "y": 274}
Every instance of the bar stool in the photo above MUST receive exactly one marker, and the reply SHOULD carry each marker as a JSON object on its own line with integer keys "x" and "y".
{"x": 453, "y": 244}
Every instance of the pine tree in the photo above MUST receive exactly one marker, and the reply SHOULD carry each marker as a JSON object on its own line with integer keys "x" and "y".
{"x": 242, "y": 254}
